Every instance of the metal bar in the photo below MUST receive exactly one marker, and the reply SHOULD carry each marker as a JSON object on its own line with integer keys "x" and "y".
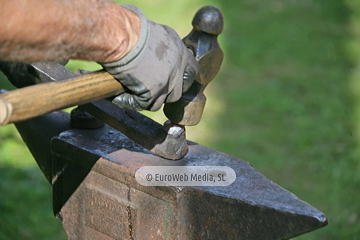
{"x": 136, "y": 126}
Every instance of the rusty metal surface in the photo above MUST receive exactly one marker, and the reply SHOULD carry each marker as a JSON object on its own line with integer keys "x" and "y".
{"x": 95, "y": 192}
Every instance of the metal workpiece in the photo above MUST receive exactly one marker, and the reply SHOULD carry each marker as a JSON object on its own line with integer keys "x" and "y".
{"x": 207, "y": 25}
{"x": 175, "y": 146}
{"x": 50, "y": 71}
{"x": 96, "y": 195}
{"x": 141, "y": 129}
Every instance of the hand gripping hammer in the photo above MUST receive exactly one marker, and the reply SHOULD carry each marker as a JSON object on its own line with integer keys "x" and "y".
{"x": 63, "y": 88}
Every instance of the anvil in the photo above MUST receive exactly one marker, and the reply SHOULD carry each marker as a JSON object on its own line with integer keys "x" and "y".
{"x": 96, "y": 195}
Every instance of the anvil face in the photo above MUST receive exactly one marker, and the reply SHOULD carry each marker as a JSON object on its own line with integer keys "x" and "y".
{"x": 96, "y": 195}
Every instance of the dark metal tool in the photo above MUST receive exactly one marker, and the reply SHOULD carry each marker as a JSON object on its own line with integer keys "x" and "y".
{"x": 208, "y": 23}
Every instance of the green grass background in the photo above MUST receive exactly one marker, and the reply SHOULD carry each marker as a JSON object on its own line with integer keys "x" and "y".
{"x": 287, "y": 100}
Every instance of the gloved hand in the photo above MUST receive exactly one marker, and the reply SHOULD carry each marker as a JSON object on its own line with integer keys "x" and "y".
{"x": 156, "y": 71}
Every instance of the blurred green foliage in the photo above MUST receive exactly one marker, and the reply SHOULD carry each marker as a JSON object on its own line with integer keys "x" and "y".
{"x": 287, "y": 100}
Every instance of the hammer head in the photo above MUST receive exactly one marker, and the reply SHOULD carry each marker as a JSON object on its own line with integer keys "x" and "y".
{"x": 208, "y": 24}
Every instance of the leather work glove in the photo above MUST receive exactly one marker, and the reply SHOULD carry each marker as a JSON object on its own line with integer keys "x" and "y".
{"x": 156, "y": 71}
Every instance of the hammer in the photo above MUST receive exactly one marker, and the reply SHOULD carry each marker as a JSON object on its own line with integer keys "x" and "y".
{"x": 36, "y": 100}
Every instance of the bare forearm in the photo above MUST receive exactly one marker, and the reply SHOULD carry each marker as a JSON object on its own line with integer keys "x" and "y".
{"x": 52, "y": 30}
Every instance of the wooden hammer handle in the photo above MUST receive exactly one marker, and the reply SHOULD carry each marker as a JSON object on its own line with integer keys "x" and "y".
{"x": 25, "y": 103}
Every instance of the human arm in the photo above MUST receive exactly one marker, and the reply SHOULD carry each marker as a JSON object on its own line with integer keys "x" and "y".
{"x": 149, "y": 59}
{"x": 54, "y": 30}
